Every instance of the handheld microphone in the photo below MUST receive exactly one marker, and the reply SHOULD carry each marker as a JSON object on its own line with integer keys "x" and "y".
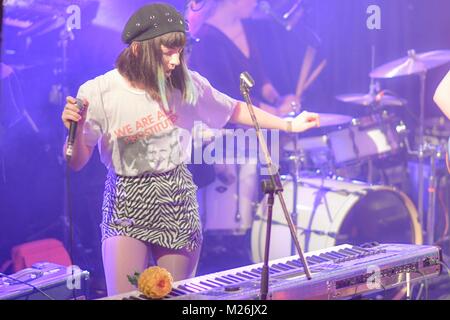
{"x": 72, "y": 132}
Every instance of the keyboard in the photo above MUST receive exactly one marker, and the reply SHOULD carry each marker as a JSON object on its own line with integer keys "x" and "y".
{"x": 340, "y": 272}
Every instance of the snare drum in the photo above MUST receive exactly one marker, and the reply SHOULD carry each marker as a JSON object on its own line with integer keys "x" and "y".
{"x": 313, "y": 152}
{"x": 370, "y": 137}
{"x": 332, "y": 212}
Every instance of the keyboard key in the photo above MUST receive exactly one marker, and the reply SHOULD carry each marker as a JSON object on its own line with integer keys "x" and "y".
{"x": 180, "y": 291}
{"x": 230, "y": 279}
{"x": 253, "y": 274}
{"x": 242, "y": 275}
{"x": 197, "y": 286}
{"x": 185, "y": 288}
{"x": 215, "y": 283}
{"x": 277, "y": 268}
{"x": 296, "y": 263}
{"x": 237, "y": 278}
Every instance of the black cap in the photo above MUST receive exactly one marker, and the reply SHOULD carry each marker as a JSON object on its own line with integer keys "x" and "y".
{"x": 152, "y": 21}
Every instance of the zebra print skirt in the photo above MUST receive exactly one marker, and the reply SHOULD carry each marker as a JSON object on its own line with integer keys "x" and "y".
{"x": 157, "y": 208}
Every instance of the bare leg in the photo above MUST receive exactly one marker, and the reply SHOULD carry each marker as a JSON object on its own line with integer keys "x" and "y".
{"x": 123, "y": 256}
{"x": 182, "y": 264}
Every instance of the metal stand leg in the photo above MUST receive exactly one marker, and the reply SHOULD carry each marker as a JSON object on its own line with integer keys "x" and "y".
{"x": 432, "y": 185}
{"x": 408, "y": 286}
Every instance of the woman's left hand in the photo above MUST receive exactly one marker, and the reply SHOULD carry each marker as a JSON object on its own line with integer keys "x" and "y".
{"x": 305, "y": 121}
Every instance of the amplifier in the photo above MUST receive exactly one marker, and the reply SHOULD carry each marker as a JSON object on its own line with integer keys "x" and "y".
{"x": 56, "y": 281}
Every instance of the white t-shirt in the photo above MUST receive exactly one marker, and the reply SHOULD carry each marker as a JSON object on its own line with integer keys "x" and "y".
{"x": 135, "y": 135}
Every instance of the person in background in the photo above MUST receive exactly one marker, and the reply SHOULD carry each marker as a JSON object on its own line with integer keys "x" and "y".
{"x": 227, "y": 46}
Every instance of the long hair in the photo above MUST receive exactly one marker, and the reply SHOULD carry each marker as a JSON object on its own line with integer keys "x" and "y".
{"x": 144, "y": 68}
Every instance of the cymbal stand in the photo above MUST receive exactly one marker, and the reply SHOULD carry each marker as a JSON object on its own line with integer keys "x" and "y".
{"x": 421, "y": 150}
{"x": 436, "y": 153}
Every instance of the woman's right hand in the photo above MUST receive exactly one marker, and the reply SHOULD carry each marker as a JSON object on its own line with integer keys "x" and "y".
{"x": 71, "y": 112}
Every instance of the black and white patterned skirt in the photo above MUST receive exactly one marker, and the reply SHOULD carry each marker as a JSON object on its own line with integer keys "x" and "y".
{"x": 157, "y": 208}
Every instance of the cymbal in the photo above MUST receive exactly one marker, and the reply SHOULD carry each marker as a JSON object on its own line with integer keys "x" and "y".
{"x": 332, "y": 119}
{"x": 380, "y": 99}
{"x": 329, "y": 119}
{"x": 412, "y": 64}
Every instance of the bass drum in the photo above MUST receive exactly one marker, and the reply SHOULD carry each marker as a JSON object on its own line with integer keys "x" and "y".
{"x": 332, "y": 212}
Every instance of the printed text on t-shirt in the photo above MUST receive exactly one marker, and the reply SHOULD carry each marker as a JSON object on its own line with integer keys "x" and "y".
{"x": 146, "y": 126}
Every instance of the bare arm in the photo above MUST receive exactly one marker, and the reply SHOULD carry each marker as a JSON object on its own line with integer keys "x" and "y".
{"x": 304, "y": 121}
{"x": 442, "y": 95}
{"x": 81, "y": 152}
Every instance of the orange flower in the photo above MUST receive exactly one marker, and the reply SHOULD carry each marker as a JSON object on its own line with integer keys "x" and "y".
{"x": 155, "y": 282}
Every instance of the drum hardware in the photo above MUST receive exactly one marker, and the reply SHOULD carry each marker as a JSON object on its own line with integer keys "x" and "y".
{"x": 372, "y": 136}
{"x": 416, "y": 64}
{"x": 434, "y": 152}
{"x": 432, "y": 186}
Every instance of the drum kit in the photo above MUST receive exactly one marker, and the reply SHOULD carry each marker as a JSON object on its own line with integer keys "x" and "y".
{"x": 334, "y": 210}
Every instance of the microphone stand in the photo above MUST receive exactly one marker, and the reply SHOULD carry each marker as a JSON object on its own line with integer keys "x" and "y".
{"x": 65, "y": 35}
{"x": 270, "y": 187}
